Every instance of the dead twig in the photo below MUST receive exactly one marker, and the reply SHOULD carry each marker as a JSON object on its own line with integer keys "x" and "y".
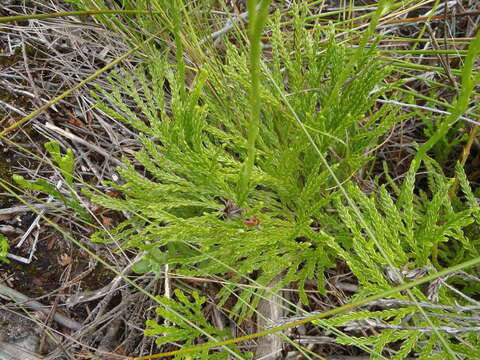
{"x": 79, "y": 140}
{"x": 9, "y": 294}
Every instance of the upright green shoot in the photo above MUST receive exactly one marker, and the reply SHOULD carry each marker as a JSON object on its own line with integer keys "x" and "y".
{"x": 257, "y": 17}
{"x": 469, "y": 80}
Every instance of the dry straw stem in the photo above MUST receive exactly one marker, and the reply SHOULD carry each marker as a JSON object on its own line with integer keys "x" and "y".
{"x": 435, "y": 17}
{"x": 7, "y": 19}
{"x": 465, "y": 154}
{"x": 71, "y": 90}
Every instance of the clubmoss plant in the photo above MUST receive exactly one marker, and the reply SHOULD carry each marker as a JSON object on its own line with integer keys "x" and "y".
{"x": 177, "y": 330}
{"x": 65, "y": 166}
{"x": 196, "y": 141}
{"x": 232, "y": 181}
{"x": 4, "y": 246}
{"x": 409, "y": 226}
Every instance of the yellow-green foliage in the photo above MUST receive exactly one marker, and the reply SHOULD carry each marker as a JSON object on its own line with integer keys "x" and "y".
{"x": 4, "y": 246}
{"x": 408, "y": 229}
{"x": 194, "y": 147}
{"x": 187, "y": 323}
{"x": 185, "y": 198}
